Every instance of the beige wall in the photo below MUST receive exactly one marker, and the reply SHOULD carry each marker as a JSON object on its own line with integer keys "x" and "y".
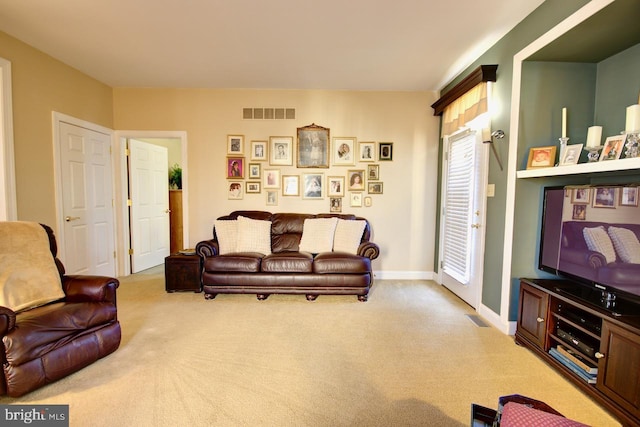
{"x": 403, "y": 217}
{"x": 41, "y": 85}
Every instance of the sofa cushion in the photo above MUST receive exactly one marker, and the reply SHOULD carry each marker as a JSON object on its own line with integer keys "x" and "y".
{"x": 348, "y": 235}
{"x": 227, "y": 236}
{"x": 340, "y": 263}
{"x": 288, "y": 262}
{"x": 254, "y": 235}
{"x": 598, "y": 240}
{"x": 241, "y": 262}
{"x": 626, "y": 244}
{"x": 317, "y": 235}
{"x": 519, "y": 415}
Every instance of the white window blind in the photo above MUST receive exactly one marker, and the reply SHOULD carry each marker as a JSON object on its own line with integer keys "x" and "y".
{"x": 458, "y": 207}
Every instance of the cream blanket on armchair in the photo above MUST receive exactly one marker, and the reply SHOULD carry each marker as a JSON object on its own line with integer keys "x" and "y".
{"x": 28, "y": 273}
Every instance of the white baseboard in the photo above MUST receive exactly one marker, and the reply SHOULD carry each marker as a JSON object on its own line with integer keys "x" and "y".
{"x": 404, "y": 275}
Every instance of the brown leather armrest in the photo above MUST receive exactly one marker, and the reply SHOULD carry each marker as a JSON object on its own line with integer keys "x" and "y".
{"x": 207, "y": 248}
{"x": 369, "y": 250}
{"x": 7, "y": 320}
{"x": 90, "y": 288}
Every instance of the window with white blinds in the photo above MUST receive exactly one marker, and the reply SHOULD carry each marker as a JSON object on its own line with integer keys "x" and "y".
{"x": 458, "y": 207}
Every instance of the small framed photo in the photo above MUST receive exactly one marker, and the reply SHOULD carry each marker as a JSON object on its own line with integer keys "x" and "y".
{"x": 367, "y": 152}
{"x": 254, "y": 170}
{"x": 252, "y": 187}
{"x": 235, "y": 190}
{"x": 581, "y": 196}
{"x": 312, "y": 184}
{"x": 612, "y": 147}
{"x": 335, "y": 204}
{"x": 235, "y": 145}
{"x": 604, "y": 197}
{"x": 571, "y": 154}
{"x": 344, "y": 151}
{"x": 356, "y": 200}
{"x": 272, "y": 198}
{"x": 579, "y": 212}
{"x": 374, "y": 187}
{"x": 235, "y": 167}
{"x": 356, "y": 179}
{"x": 281, "y": 150}
{"x": 271, "y": 178}
{"x": 373, "y": 172}
{"x": 335, "y": 186}
{"x": 629, "y": 196}
{"x": 290, "y": 185}
{"x": 385, "y": 151}
{"x": 258, "y": 151}
{"x": 541, "y": 157}
{"x": 368, "y": 202}
{"x": 313, "y": 147}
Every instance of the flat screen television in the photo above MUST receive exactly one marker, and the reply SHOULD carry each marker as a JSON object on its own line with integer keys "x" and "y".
{"x": 590, "y": 236}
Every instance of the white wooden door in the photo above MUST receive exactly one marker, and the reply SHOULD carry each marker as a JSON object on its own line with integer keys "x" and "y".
{"x": 463, "y": 215}
{"x": 149, "y": 194}
{"x": 87, "y": 201}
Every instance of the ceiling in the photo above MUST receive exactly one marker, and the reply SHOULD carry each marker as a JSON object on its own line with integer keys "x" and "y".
{"x": 405, "y": 45}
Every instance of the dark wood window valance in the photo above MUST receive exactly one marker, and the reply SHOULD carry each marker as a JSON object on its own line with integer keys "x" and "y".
{"x": 484, "y": 73}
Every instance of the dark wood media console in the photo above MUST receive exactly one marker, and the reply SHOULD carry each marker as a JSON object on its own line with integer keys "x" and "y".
{"x": 550, "y": 315}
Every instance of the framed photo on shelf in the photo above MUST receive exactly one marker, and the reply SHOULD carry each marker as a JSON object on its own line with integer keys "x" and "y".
{"x": 344, "y": 151}
{"x": 385, "y": 151}
{"x": 580, "y": 196}
{"x": 612, "y": 148}
{"x": 258, "y": 151}
{"x": 313, "y": 147}
{"x": 541, "y": 157}
{"x": 254, "y": 170}
{"x": 335, "y": 204}
{"x": 335, "y": 186}
{"x": 272, "y": 198}
{"x": 271, "y": 178}
{"x": 629, "y": 196}
{"x": 374, "y": 187}
{"x": 367, "y": 152}
{"x": 604, "y": 197}
{"x": 235, "y": 145}
{"x": 312, "y": 184}
{"x": 356, "y": 179}
{"x": 281, "y": 150}
{"x": 571, "y": 154}
{"x": 291, "y": 185}
{"x": 252, "y": 187}
{"x": 235, "y": 190}
{"x": 235, "y": 167}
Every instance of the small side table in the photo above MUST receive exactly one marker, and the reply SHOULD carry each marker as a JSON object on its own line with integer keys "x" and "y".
{"x": 182, "y": 273}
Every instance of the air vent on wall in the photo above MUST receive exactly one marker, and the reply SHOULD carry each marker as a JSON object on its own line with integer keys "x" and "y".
{"x": 269, "y": 113}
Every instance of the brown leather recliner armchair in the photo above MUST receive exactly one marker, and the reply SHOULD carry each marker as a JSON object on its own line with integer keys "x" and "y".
{"x": 43, "y": 344}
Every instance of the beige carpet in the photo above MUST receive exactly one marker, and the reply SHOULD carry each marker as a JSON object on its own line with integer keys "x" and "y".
{"x": 408, "y": 357}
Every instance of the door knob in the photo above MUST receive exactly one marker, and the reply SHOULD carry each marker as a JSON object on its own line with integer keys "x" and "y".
{"x": 167, "y": 211}
{"x": 71, "y": 218}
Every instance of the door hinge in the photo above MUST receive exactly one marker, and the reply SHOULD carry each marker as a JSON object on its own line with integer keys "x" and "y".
{"x": 441, "y": 264}
{"x": 130, "y": 251}
{"x": 129, "y": 202}
{"x": 126, "y": 152}
{"x": 114, "y": 254}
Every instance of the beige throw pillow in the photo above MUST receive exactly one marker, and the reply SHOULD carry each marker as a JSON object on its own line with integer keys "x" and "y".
{"x": 626, "y": 244}
{"x": 254, "y": 235}
{"x": 598, "y": 240}
{"x": 348, "y": 235}
{"x": 227, "y": 234}
{"x": 317, "y": 235}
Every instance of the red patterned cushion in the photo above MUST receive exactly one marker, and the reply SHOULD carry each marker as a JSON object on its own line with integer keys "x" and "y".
{"x": 518, "y": 415}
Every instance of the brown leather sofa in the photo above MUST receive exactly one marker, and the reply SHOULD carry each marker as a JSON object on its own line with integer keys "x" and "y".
{"x": 286, "y": 269}
{"x": 46, "y": 343}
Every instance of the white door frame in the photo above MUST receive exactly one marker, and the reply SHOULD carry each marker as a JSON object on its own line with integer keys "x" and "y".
{"x": 57, "y": 118}
{"x": 123, "y": 241}
{"x": 8, "y": 207}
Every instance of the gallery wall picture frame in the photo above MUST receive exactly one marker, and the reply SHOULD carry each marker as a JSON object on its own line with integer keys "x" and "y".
{"x": 368, "y": 202}
{"x": 604, "y": 197}
{"x": 581, "y": 196}
{"x": 291, "y": 185}
{"x": 629, "y": 196}
{"x": 271, "y": 178}
{"x": 373, "y": 172}
{"x": 313, "y": 186}
{"x": 235, "y": 167}
{"x": 272, "y": 198}
{"x": 367, "y": 151}
{"x": 374, "y": 187}
{"x": 259, "y": 150}
{"x": 254, "y": 170}
{"x": 335, "y": 204}
{"x": 281, "y": 150}
{"x": 235, "y": 145}
{"x": 612, "y": 148}
{"x": 579, "y": 212}
{"x": 313, "y": 146}
{"x": 343, "y": 151}
{"x": 235, "y": 190}
{"x": 356, "y": 179}
{"x": 571, "y": 154}
{"x": 356, "y": 199}
{"x": 335, "y": 186}
{"x": 385, "y": 151}
{"x": 252, "y": 187}
{"x": 541, "y": 157}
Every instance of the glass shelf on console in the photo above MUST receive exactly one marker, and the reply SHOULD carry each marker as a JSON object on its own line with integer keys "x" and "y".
{"x": 582, "y": 168}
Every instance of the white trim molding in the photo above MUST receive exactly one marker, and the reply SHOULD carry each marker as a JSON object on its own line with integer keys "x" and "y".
{"x": 8, "y": 205}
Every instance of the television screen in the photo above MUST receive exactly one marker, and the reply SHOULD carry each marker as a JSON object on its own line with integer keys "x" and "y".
{"x": 591, "y": 236}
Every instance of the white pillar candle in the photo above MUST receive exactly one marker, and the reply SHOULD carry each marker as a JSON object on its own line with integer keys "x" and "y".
{"x": 633, "y": 118}
{"x": 594, "y": 136}
{"x": 564, "y": 122}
